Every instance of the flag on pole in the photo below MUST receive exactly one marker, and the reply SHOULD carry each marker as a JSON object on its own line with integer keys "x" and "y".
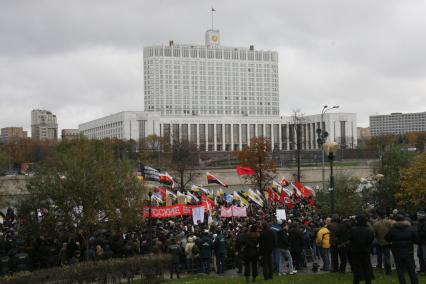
{"x": 242, "y": 171}
{"x": 166, "y": 179}
{"x": 284, "y": 182}
{"x": 171, "y": 194}
{"x": 296, "y": 190}
{"x": 304, "y": 192}
{"x": 212, "y": 179}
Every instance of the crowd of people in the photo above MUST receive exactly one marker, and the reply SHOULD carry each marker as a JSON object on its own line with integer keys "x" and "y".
{"x": 304, "y": 240}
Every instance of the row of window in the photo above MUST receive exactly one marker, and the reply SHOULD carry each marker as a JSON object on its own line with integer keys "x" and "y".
{"x": 209, "y": 52}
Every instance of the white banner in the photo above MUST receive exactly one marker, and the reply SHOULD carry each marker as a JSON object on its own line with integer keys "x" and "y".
{"x": 281, "y": 214}
{"x": 198, "y": 215}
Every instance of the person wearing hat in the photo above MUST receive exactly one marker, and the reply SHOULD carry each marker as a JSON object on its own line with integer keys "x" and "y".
{"x": 361, "y": 237}
{"x": 421, "y": 249}
{"x": 402, "y": 236}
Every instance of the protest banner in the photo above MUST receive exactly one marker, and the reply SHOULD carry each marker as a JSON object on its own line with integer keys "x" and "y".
{"x": 281, "y": 215}
{"x": 198, "y": 215}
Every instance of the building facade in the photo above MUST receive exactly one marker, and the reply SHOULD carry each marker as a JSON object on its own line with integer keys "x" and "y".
{"x": 44, "y": 125}
{"x": 218, "y": 98}
{"x": 224, "y": 133}
{"x": 70, "y": 134}
{"x": 210, "y": 80}
{"x": 397, "y": 123}
{"x": 12, "y": 134}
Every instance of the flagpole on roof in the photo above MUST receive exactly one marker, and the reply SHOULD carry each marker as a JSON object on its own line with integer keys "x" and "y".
{"x": 212, "y": 10}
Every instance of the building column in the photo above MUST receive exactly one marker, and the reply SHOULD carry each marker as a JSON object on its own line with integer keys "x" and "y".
{"x": 280, "y": 140}
{"x": 240, "y": 137}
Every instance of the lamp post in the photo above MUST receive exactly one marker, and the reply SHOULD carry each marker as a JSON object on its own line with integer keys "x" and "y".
{"x": 322, "y": 138}
{"x": 330, "y": 149}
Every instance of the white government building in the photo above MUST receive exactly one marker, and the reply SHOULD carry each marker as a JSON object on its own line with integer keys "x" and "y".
{"x": 219, "y": 98}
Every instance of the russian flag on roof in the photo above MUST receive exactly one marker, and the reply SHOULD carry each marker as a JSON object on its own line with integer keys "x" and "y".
{"x": 212, "y": 179}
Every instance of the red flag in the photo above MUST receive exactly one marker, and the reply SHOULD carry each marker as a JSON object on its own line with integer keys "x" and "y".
{"x": 270, "y": 194}
{"x": 312, "y": 202}
{"x": 212, "y": 179}
{"x": 242, "y": 171}
{"x": 286, "y": 200}
{"x": 305, "y": 192}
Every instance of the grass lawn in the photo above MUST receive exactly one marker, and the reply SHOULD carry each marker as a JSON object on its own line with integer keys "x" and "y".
{"x": 329, "y": 278}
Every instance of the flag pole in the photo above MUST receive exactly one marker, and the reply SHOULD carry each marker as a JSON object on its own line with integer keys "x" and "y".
{"x": 212, "y": 10}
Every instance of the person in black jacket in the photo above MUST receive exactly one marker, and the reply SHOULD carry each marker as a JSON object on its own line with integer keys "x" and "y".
{"x": 220, "y": 250}
{"x": 421, "y": 234}
{"x": 342, "y": 239}
{"x": 361, "y": 237}
{"x": 267, "y": 245}
{"x": 295, "y": 240}
{"x": 402, "y": 236}
{"x": 206, "y": 246}
{"x": 176, "y": 251}
{"x": 283, "y": 247}
{"x": 250, "y": 244}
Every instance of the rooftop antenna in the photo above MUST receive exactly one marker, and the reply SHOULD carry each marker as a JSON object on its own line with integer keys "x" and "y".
{"x": 212, "y": 10}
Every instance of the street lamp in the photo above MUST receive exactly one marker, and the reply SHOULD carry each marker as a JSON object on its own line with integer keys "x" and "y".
{"x": 330, "y": 149}
{"x": 322, "y": 138}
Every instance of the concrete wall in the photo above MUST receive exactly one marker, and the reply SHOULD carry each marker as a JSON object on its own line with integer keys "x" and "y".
{"x": 309, "y": 175}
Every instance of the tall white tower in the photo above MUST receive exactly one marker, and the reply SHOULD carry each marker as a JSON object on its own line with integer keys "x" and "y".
{"x": 210, "y": 79}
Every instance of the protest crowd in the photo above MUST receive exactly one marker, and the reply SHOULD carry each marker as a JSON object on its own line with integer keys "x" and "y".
{"x": 205, "y": 230}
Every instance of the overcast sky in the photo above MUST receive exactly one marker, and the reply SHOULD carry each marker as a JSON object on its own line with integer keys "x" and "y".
{"x": 83, "y": 59}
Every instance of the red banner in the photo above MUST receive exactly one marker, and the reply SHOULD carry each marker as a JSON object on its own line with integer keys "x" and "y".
{"x": 158, "y": 212}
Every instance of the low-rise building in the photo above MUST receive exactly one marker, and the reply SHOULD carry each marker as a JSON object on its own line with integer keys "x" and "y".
{"x": 12, "y": 134}
{"x": 224, "y": 133}
{"x": 70, "y": 134}
{"x": 397, "y": 123}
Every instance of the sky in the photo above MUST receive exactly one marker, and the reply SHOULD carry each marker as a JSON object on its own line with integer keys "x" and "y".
{"x": 83, "y": 59}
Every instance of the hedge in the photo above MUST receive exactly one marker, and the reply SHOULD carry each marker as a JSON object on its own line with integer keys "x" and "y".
{"x": 149, "y": 268}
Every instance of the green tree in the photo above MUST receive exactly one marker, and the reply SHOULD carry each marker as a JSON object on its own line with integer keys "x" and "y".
{"x": 394, "y": 158}
{"x": 258, "y": 157}
{"x": 413, "y": 185}
{"x": 348, "y": 201}
{"x": 83, "y": 189}
{"x": 4, "y": 161}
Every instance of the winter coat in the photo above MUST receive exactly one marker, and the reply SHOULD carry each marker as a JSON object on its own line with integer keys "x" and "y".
{"x": 220, "y": 244}
{"x": 421, "y": 231}
{"x": 332, "y": 227}
{"x": 250, "y": 244}
{"x": 402, "y": 236}
{"x": 205, "y": 246}
{"x": 295, "y": 240}
{"x": 361, "y": 238}
{"x": 191, "y": 249}
{"x": 176, "y": 252}
{"x": 268, "y": 241}
{"x": 323, "y": 238}
{"x": 381, "y": 228}
{"x": 343, "y": 233}
{"x": 282, "y": 240}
